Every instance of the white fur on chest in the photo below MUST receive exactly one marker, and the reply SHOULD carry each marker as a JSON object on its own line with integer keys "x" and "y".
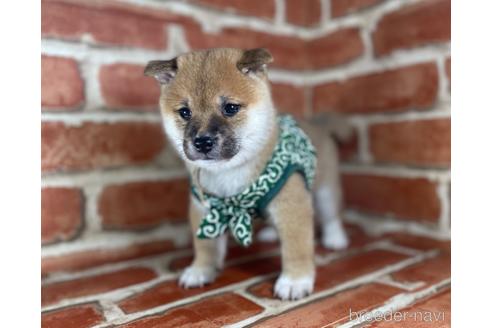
{"x": 229, "y": 182}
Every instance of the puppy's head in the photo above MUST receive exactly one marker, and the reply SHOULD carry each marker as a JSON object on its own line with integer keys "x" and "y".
{"x": 216, "y": 105}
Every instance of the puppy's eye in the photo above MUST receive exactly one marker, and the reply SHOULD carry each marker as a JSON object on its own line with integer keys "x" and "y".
{"x": 231, "y": 109}
{"x": 185, "y": 113}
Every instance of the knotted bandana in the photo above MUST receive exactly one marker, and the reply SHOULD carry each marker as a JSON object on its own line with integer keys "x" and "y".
{"x": 294, "y": 152}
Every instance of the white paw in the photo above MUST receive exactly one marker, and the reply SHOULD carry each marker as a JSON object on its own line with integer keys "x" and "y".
{"x": 268, "y": 234}
{"x": 334, "y": 237}
{"x": 293, "y": 289}
{"x": 196, "y": 277}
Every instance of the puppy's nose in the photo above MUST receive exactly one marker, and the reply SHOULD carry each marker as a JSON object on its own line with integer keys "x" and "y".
{"x": 203, "y": 144}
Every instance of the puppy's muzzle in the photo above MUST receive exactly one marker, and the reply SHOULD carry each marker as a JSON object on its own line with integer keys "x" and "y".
{"x": 204, "y": 144}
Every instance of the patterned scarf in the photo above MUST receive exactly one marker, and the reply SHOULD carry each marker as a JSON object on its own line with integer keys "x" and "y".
{"x": 294, "y": 152}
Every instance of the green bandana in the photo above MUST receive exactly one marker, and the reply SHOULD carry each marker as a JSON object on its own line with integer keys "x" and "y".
{"x": 294, "y": 152}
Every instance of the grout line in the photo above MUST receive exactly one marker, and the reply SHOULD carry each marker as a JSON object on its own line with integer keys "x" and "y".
{"x": 391, "y": 246}
{"x": 111, "y": 240}
{"x": 408, "y": 286}
{"x": 325, "y": 12}
{"x": 92, "y": 219}
{"x": 378, "y": 226}
{"x": 113, "y": 176}
{"x": 79, "y": 118}
{"x": 280, "y": 13}
{"x": 363, "y": 148}
{"x": 156, "y": 262}
{"x": 445, "y": 219}
{"x": 110, "y": 310}
{"x": 431, "y": 174}
{"x": 398, "y": 302}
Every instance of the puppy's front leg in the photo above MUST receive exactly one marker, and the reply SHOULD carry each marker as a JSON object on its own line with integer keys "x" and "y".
{"x": 209, "y": 253}
{"x": 292, "y": 213}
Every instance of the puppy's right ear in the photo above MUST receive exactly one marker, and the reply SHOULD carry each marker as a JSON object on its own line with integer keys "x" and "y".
{"x": 163, "y": 71}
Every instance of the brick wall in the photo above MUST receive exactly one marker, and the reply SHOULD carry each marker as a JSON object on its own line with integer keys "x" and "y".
{"x": 113, "y": 190}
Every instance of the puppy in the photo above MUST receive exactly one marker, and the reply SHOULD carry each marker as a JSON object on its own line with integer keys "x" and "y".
{"x": 218, "y": 113}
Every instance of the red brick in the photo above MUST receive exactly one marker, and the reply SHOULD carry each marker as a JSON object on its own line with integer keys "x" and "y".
{"x": 169, "y": 291}
{"x": 344, "y": 7}
{"x": 98, "y": 145}
{"x": 55, "y": 292}
{"x": 233, "y": 253}
{"x": 289, "y": 99}
{"x": 438, "y": 305}
{"x": 289, "y": 52}
{"x": 334, "y": 49}
{"x": 332, "y": 310}
{"x": 424, "y": 142}
{"x": 339, "y": 271}
{"x": 258, "y": 8}
{"x": 430, "y": 271}
{"x": 61, "y": 213}
{"x": 348, "y": 149}
{"x": 143, "y": 204}
{"x": 105, "y": 25}
{"x": 405, "y": 198}
{"x": 92, "y": 258}
{"x": 416, "y": 25}
{"x": 215, "y": 311}
{"x": 123, "y": 86}
{"x": 304, "y": 13}
{"x": 80, "y": 316}
{"x": 62, "y": 87}
{"x": 411, "y": 87}
{"x": 419, "y": 242}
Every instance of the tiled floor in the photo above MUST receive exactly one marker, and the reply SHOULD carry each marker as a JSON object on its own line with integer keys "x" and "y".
{"x": 395, "y": 280}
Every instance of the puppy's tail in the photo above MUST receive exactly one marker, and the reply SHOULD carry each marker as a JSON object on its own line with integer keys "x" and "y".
{"x": 335, "y": 124}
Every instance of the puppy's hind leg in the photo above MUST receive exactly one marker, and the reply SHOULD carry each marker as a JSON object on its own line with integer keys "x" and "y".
{"x": 209, "y": 254}
{"x": 328, "y": 202}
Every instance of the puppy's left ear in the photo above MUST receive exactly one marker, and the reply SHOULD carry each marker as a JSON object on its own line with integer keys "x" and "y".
{"x": 163, "y": 71}
{"x": 254, "y": 61}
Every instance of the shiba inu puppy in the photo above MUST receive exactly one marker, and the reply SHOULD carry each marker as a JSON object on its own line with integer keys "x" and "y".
{"x": 218, "y": 113}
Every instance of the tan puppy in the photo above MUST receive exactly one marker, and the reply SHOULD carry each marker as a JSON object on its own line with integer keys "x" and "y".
{"x": 218, "y": 113}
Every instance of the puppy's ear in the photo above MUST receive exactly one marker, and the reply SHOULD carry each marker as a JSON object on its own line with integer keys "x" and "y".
{"x": 254, "y": 61}
{"x": 163, "y": 71}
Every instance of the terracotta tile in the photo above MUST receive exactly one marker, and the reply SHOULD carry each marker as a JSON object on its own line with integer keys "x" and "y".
{"x": 431, "y": 312}
{"x": 55, "y": 292}
{"x": 333, "y": 309}
{"x": 214, "y": 311}
{"x": 339, "y": 271}
{"x": 79, "y": 316}
{"x": 169, "y": 291}
{"x": 430, "y": 271}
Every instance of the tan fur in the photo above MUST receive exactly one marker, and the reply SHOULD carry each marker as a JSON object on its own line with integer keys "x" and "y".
{"x": 205, "y": 75}
{"x": 292, "y": 212}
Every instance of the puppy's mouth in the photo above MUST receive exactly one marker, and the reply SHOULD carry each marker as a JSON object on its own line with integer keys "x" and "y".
{"x": 210, "y": 149}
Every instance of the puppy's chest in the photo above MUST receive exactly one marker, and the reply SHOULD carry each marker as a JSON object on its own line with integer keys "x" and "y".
{"x": 228, "y": 183}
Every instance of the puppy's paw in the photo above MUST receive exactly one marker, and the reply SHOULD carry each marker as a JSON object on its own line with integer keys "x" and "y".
{"x": 334, "y": 237}
{"x": 293, "y": 289}
{"x": 197, "y": 277}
